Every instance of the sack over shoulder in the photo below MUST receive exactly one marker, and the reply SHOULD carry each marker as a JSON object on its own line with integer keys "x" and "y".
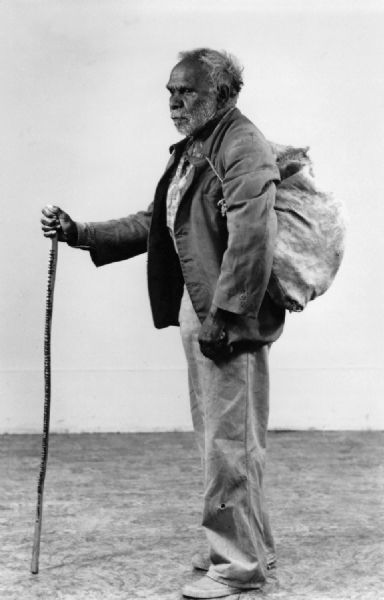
{"x": 311, "y": 233}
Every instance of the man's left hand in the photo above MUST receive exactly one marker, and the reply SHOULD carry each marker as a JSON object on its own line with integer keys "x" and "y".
{"x": 213, "y": 338}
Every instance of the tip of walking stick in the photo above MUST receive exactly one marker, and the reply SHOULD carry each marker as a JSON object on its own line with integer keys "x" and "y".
{"x": 35, "y": 555}
{"x": 34, "y": 568}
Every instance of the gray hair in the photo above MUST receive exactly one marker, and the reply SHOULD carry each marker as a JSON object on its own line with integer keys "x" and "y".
{"x": 223, "y": 68}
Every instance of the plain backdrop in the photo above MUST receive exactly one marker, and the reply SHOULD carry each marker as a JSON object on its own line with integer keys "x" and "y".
{"x": 84, "y": 125}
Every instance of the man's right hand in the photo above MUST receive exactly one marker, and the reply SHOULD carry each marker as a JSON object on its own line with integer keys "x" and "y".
{"x": 57, "y": 221}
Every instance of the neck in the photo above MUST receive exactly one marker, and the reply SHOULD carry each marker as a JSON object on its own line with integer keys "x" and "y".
{"x": 205, "y": 129}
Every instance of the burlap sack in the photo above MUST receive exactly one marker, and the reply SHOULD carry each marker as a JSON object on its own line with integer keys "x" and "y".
{"x": 311, "y": 233}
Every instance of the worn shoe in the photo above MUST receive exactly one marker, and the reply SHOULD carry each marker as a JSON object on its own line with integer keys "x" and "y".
{"x": 202, "y": 562}
{"x": 208, "y": 588}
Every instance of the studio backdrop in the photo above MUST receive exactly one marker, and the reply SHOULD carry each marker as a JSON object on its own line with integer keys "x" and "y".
{"x": 85, "y": 125}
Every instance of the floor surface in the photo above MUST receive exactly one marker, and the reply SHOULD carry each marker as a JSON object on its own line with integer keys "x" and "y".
{"x": 122, "y": 512}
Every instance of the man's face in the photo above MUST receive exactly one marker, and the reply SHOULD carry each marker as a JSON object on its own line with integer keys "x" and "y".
{"x": 192, "y": 102}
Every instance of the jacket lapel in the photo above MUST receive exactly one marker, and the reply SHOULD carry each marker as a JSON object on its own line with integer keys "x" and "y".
{"x": 209, "y": 137}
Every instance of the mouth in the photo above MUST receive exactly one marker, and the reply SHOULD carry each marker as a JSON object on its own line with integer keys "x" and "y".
{"x": 181, "y": 122}
{"x": 178, "y": 118}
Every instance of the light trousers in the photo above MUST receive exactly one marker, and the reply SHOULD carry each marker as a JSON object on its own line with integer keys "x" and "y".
{"x": 230, "y": 405}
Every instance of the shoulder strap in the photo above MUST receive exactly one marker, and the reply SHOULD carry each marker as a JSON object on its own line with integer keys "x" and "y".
{"x": 221, "y": 203}
{"x": 214, "y": 169}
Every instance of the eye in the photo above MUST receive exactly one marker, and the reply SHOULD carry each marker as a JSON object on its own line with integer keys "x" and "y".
{"x": 180, "y": 90}
{"x": 185, "y": 90}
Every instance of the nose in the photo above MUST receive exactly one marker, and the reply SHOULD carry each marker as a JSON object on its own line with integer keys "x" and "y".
{"x": 175, "y": 101}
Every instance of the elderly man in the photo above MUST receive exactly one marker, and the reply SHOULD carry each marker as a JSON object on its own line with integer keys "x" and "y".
{"x": 210, "y": 235}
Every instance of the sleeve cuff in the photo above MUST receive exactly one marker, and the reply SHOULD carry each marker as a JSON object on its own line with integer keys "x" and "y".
{"x": 85, "y": 237}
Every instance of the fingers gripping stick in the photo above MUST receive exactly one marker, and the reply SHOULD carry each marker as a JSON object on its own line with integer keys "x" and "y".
{"x": 47, "y": 403}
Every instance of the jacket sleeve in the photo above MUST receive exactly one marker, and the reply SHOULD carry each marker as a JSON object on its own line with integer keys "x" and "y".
{"x": 249, "y": 188}
{"x": 119, "y": 239}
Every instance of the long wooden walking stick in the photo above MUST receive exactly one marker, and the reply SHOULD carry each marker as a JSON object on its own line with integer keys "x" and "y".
{"x": 47, "y": 403}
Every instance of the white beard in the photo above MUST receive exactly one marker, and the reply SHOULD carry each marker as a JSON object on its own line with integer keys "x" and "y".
{"x": 200, "y": 115}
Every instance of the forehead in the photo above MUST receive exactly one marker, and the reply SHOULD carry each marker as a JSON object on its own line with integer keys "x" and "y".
{"x": 190, "y": 74}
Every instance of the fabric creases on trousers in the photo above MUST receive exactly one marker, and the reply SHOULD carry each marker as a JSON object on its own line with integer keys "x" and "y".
{"x": 229, "y": 406}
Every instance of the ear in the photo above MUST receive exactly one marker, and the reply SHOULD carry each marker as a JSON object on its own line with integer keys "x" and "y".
{"x": 222, "y": 96}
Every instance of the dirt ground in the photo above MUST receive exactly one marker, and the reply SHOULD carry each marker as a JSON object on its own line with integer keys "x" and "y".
{"x": 122, "y": 513}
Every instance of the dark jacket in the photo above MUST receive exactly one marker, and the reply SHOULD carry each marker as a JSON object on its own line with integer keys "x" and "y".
{"x": 225, "y": 250}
